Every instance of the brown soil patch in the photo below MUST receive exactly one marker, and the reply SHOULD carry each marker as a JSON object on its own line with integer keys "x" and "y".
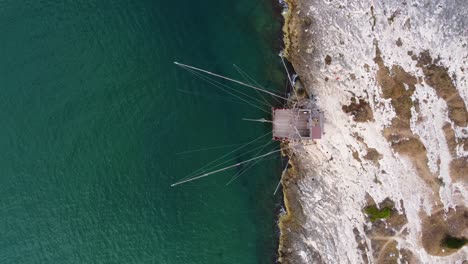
{"x": 416, "y": 151}
{"x": 438, "y": 78}
{"x": 450, "y": 138}
{"x": 377, "y": 246}
{"x": 409, "y": 146}
{"x": 389, "y": 254}
{"x": 398, "y": 86}
{"x": 458, "y": 166}
{"x": 360, "y": 110}
{"x": 393, "y": 87}
{"x": 407, "y": 256}
{"x": 459, "y": 169}
{"x": 373, "y": 155}
{"x": 436, "y": 227}
{"x": 356, "y": 156}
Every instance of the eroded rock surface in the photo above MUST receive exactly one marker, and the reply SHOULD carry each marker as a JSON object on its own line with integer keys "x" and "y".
{"x": 391, "y": 79}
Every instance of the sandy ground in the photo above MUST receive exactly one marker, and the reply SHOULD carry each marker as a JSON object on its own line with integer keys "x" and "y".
{"x": 391, "y": 79}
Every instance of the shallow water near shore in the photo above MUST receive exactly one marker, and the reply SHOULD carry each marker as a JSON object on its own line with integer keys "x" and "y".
{"x": 95, "y": 115}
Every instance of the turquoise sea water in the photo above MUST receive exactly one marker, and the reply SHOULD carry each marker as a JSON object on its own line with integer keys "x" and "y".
{"x": 94, "y": 116}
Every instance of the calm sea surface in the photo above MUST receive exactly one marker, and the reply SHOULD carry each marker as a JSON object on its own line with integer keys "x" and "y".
{"x": 94, "y": 115}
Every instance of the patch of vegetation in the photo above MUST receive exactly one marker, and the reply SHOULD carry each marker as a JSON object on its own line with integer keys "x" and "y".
{"x": 375, "y": 214}
{"x": 453, "y": 242}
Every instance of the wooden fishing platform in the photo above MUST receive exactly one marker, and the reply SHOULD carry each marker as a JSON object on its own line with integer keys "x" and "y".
{"x": 296, "y": 124}
{"x": 288, "y": 124}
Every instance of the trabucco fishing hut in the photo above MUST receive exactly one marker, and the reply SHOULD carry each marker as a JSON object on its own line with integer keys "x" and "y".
{"x": 289, "y": 124}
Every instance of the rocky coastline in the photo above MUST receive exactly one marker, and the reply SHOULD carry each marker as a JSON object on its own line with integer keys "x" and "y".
{"x": 387, "y": 183}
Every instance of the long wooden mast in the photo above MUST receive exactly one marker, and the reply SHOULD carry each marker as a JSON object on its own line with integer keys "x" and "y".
{"x": 229, "y": 79}
{"x": 225, "y": 168}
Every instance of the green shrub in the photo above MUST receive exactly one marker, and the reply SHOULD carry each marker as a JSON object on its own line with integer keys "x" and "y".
{"x": 453, "y": 242}
{"x": 374, "y": 213}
